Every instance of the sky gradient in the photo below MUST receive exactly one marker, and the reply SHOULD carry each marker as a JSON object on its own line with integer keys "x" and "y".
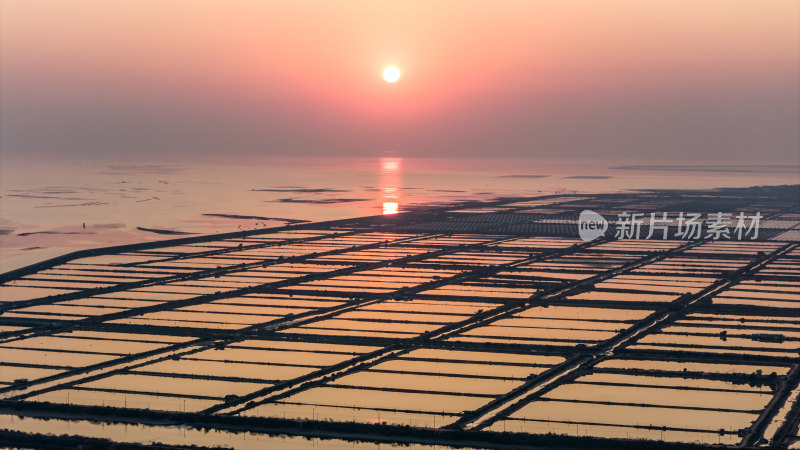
{"x": 687, "y": 80}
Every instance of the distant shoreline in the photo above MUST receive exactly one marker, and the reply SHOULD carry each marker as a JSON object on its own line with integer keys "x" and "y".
{"x": 158, "y": 231}
{"x": 721, "y": 168}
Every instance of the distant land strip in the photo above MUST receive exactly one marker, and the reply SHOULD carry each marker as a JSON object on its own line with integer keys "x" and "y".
{"x": 325, "y": 201}
{"x": 157, "y": 231}
{"x": 743, "y": 169}
{"x": 237, "y": 216}
{"x": 31, "y": 233}
{"x": 301, "y": 190}
{"x": 523, "y": 176}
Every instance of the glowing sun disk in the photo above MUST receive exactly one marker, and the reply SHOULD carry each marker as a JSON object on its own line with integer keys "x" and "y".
{"x": 391, "y": 74}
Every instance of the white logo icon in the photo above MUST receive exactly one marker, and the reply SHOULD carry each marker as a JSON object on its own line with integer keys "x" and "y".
{"x": 591, "y": 225}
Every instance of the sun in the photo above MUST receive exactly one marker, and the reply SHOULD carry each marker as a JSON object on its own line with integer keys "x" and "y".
{"x": 391, "y": 74}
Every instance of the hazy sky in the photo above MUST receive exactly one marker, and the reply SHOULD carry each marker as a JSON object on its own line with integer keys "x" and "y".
{"x": 687, "y": 80}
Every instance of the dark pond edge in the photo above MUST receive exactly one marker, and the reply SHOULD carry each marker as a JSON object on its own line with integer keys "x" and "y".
{"x": 350, "y": 431}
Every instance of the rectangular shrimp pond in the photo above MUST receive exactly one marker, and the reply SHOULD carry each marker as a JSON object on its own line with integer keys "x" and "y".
{"x": 477, "y": 324}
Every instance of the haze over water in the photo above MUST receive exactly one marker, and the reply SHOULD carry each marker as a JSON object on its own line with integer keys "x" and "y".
{"x": 644, "y": 80}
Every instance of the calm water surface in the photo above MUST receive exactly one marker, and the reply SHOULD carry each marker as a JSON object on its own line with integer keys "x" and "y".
{"x": 48, "y": 208}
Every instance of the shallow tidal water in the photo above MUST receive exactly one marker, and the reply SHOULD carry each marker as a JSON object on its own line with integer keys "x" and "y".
{"x": 48, "y": 208}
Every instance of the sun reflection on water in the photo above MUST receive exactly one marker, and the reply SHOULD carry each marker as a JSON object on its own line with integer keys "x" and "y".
{"x": 390, "y": 207}
{"x": 390, "y": 184}
{"x": 390, "y": 164}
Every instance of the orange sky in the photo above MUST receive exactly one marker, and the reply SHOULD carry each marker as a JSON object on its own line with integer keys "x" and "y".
{"x": 539, "y": 78}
